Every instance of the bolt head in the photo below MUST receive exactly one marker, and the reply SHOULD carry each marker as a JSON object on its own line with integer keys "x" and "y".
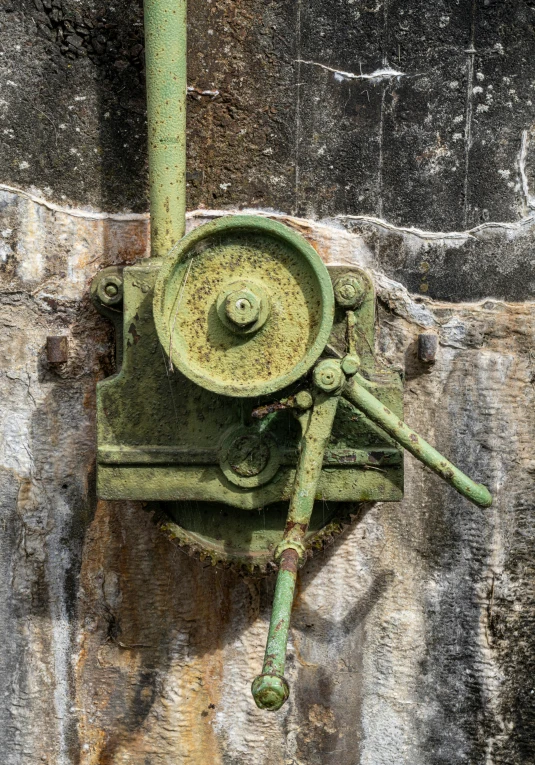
{"x": 349, "y": 291}
{"x": 328, "y": 376}
{"x": 350, "y": 364}
{"x": 303, "y": 400}
{"x": 110, "y": 289}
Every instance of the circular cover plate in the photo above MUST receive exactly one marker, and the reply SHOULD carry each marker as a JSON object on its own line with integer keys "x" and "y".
{"x": 290, "y": 273}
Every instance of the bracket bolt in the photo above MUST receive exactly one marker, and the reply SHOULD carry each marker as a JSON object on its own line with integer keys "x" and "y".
{"x": 303, "y": 400}
{"x": 328, "y": 376}
{"x": 349, "y": 291}
{"x": 110, "y": 289}
{"x": 350, "y": 364}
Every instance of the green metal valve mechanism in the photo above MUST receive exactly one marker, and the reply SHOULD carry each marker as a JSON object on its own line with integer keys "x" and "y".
{"x": 248, "y": 401}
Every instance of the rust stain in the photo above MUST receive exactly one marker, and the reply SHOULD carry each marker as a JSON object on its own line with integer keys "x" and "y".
{"x": 290, "y": 560}
{"x": 139, "y": 595}
{"x": 301, "y": 527}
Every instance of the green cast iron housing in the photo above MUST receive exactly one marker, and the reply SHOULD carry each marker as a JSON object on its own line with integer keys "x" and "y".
{"x": 191, "y": 393}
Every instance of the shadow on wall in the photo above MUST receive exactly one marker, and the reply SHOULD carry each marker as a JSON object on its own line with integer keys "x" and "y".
{"x": 159, "y": 627}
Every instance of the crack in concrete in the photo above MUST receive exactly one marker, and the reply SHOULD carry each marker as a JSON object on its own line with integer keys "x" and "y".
{"x": 471, "y": 233}
{"x": 529, "y": 200}
{"x": 73, "y": 211}
{"x": 456, "y": 235}
{"x": 387, "y": 73}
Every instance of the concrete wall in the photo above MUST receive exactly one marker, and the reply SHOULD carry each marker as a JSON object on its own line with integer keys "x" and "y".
{"x": 395, "y": 135}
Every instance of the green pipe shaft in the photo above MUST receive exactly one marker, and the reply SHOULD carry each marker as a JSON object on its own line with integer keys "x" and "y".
{"x": 165, "y": 64}
{"x": 270, "y": 689}
{"x": 313, "y": 445}
{"x": 275, "y": 656}
{"x": 400, "y": 432}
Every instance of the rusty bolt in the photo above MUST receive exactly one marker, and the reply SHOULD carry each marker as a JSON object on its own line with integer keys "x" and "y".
{"x": 303, "y": 400}
{"x": 349, "y": 291}
{"x": 350, "y": 364}
{"x": 328, "y": 376}
{"x": 57, "y": 349}
{"x": 427, "y": 347}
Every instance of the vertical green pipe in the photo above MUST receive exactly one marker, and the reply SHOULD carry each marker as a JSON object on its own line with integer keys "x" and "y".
{"x": 165, "y": 64}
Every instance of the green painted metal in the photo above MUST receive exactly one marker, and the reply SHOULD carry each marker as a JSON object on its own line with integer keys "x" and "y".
{"x": 270, "y": 689}
{"x": 295, "y": 306}
{"x": 165, "y": 63}
{"x": 161, "y": 437}
{"x": 316, "y": 434}
{"x": 208, "y": 331}
{"x": 415, "y": 444}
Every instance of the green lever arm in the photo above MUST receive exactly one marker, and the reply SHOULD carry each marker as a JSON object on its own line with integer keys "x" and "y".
{"x": 270, "y": 689}
{"x": 415, "y": 444}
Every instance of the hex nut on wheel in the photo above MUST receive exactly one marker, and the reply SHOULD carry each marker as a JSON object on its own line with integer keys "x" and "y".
{"x": 349, "y": 291}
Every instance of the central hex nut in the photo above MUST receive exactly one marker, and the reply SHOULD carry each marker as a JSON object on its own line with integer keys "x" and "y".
{"x": 243, "y": 307}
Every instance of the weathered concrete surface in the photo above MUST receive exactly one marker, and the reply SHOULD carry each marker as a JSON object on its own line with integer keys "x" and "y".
{"x": 409, "y": 114}
{"x": 412, "y": 635}
{"x": 290, "y": 117}
{"x": 412, "y": 639}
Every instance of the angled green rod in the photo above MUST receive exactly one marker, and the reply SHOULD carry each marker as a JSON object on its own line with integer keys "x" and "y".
{"x": 415, "y": 444}
{"x": 165, "y": 64}
{"x": 270, "y": 689}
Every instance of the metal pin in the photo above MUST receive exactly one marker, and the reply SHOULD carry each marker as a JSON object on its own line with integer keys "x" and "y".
{"x": 427, "y": 347}
{"x": 57, "y": 349}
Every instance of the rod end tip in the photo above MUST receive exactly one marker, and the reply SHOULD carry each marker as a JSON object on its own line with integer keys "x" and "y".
{"x": 270, "y": 691}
